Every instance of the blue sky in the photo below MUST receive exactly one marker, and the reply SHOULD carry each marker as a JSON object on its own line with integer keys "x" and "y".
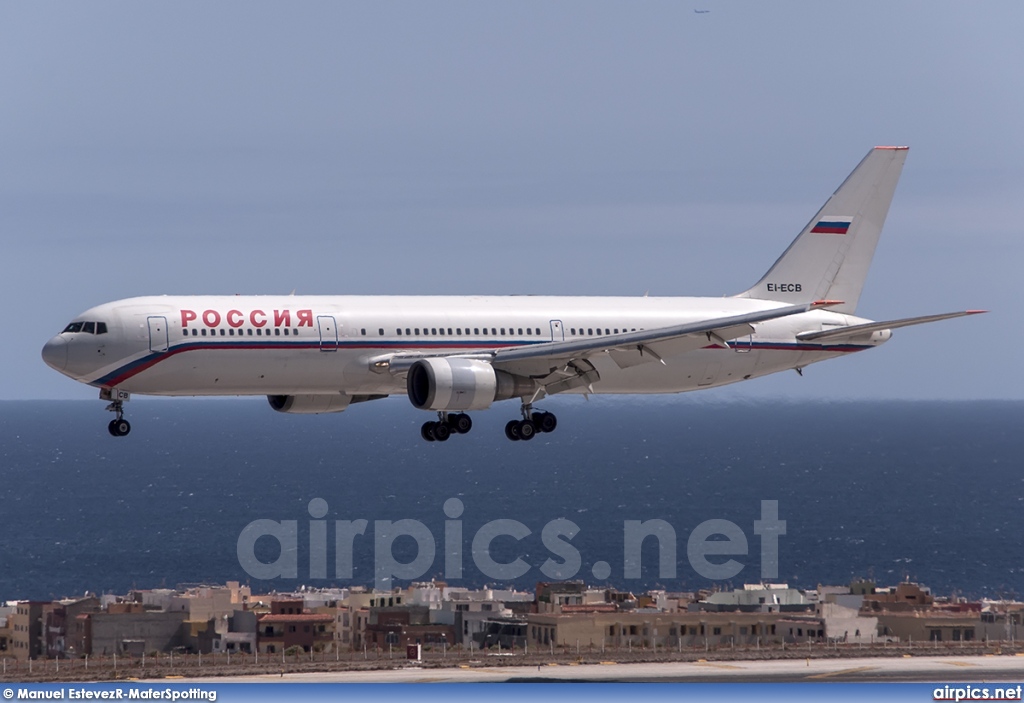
{"x": 591, "y": 148}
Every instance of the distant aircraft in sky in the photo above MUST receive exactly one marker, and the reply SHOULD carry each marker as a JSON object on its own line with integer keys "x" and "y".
{"x": 449, "y": 355}
{"x": 702, "y": 12}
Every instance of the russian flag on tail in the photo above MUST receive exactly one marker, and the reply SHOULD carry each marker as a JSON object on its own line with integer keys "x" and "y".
{"x": 832, "y": 225}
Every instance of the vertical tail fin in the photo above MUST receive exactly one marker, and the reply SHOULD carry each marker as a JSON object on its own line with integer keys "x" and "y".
{"x": 830, "y": 258}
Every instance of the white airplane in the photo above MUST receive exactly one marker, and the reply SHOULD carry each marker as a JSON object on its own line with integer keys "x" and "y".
{"x": 319, "y": 354}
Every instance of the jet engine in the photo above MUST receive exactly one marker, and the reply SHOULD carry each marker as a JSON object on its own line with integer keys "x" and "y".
{"x": 461, "y": 384}
{"x": 309, "y": 404}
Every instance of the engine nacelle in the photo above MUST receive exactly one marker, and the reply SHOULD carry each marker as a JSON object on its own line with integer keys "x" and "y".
{"x": 309, "y": 404}
{"x": 461, "y": 384}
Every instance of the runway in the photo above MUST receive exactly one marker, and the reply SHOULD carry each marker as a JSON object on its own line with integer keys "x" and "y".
{"x": 1005, "y": 669}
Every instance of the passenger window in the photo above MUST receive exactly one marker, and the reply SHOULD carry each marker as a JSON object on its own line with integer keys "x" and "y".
{"x": 259, "y": 332}
{"x": 449, "y": 331}
{"x": 184, "y": 333}
{"x": 476, "y": 330}
{"x": 503, "y": 330}
{"x": 406, "y": 331}
{"x": 223, "y": 333}
{"x": 399, "y": 330}
{"x": 363, "y": 331}
{"x": 606, "y": 331}
{"x": 417, "y": 331}
{"x": 520, "y": 331}
{"x": 277, "y": 331}
{"x": 231, "y": 332}
{"x": 286, "y": 331}
{"x": 380, "y": 332}
{"x": 590, "y": 330}
{"x": 494, "y": 331}
{"x": 249, "y": 331}
{"x": 433, "y": 330}
{"x": 529, "y": 331}
{"x": 101, "y": 328}
{"x": 204, "y": 332}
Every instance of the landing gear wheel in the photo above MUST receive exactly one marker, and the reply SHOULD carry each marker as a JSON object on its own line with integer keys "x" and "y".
{"x": 427, "y": 431}
{"x": 526, "y": 430}
{"x": 442, "y": 431}
{"x": 460, "y": 423}
{"x": 512, "y": 430}
{"x": 119, "y": 428}
{"x": 546, "y": 422}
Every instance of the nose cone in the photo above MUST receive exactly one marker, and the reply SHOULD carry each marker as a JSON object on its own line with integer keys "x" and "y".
{"x": 55, "y": 353}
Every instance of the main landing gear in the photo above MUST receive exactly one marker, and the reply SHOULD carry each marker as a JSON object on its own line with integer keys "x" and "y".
{"x": 531, "y": 424}
{"x": 118, "y": 427}
{"x": 445, "y": 426}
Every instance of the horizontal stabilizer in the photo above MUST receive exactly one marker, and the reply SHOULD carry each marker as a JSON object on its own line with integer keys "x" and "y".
{"x": 868, "y": 328}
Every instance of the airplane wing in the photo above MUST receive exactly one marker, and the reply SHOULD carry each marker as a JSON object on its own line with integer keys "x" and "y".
{"x": 838, "y": 333}
{"x": 559, "y": 366}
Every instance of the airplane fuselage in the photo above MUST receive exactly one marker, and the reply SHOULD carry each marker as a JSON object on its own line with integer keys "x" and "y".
{"x": 268, "y": 345}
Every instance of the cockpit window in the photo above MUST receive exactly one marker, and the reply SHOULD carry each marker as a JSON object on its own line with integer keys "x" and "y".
{"x": 87, "y": 327}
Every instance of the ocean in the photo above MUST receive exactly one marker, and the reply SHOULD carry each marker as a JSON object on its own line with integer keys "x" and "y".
{"x": 927, "y": 491}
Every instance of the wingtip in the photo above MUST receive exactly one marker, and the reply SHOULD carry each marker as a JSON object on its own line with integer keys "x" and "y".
{"x": 975, "y": 312}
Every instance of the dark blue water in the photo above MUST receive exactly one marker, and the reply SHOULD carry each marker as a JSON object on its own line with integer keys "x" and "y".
{"x": 928, "y": 491}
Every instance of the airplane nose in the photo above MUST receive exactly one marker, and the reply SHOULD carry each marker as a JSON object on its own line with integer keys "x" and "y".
{"x": 55, "y": 353}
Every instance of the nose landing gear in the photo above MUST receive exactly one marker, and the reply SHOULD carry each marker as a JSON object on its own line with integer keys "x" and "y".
{"x": 118, "y": 427}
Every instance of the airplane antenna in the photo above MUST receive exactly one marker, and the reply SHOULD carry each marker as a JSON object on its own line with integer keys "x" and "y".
{"x": 293, "y": 292}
